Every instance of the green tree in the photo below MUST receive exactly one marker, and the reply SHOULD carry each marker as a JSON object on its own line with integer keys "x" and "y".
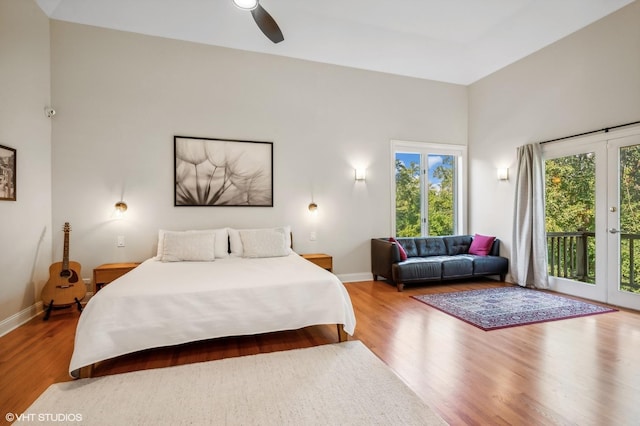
{"x": 407, "y": 199}
{"x": 629, "y": 217}
{"x": 630, "y": 189}
{"x": 570, "y": 206}
{"x": 441, "y": 207}
{"x": 570, "y": 193}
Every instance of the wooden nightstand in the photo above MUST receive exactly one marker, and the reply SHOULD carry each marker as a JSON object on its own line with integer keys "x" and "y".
{"x": 104, "y": 274}
{"x": 322, "y": 260}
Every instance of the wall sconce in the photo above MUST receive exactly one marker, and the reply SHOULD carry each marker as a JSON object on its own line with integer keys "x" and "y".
{"x": 246, "y": 4}
{"x": 313, "y": 207}
{"x": 121, "y": 207}
{"x": 503, "y": 174}
{"x": 361, "y": 174}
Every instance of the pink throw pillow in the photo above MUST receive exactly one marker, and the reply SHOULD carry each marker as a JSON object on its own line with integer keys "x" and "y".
{"x": 481, "y": 245}
{"x": 403, "y": 254}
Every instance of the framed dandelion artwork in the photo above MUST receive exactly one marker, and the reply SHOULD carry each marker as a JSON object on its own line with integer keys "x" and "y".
{"x": 7, "y": 173}
{"x": 221, "y": 172}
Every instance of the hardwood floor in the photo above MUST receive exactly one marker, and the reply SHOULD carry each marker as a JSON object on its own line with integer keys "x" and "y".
{"x": 582, "y": 371}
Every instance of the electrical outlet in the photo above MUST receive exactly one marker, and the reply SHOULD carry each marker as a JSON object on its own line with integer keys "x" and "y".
{"x": 120, "y": 242}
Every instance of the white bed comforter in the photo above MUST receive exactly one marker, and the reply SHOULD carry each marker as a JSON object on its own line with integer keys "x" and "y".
{"x": 163, "y": 304}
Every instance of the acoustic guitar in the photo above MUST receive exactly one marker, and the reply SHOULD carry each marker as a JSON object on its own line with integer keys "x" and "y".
{"x": 65, "y": 286}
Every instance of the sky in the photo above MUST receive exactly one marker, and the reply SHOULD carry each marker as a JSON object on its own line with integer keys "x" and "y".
{"x": 433, "y": 161}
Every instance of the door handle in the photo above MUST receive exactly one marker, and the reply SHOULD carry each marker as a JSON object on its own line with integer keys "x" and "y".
{"x": 615, "y": 231}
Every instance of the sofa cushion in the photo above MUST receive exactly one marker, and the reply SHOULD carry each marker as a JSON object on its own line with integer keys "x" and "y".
{"x": 432, "y": 246}
{"x": 458, "y": 266}
{"x": 489, "y": 265}
{"x": 409, "y": 245}
{"x": 418, "y": 268}
{"x": 423, "y": 246}
{"x": 457, "y": 244}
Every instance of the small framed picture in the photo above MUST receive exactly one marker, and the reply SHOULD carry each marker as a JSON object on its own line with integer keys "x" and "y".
{"x": 222, "y": 172}
{"x": 7, "y": 173}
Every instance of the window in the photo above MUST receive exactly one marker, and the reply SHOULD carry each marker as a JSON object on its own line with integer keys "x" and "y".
{"x": 427, "y": 187}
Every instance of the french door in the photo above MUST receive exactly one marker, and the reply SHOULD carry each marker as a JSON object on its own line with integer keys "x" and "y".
{"x": 623, "y": 221}
{"x": 593, "y": 217}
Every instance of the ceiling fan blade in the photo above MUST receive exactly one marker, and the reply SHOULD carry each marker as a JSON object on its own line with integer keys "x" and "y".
{"x": 267, "y": 24}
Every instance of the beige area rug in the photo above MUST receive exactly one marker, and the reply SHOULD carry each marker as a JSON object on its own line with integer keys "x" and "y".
{"x": 338, "y": 384}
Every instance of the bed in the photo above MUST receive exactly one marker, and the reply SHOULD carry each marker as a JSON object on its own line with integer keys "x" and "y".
{"x": 238, "y": 292}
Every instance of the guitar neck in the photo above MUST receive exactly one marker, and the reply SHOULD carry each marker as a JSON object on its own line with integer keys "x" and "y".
{"x": 65, "y": 255}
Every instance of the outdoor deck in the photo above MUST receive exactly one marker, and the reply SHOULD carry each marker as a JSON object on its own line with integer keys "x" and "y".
{"x": 572, "y": 255}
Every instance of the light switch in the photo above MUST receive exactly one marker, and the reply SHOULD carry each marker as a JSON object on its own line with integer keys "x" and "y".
{"x": 120, "y": 241}
{"x": 312, "y": 236}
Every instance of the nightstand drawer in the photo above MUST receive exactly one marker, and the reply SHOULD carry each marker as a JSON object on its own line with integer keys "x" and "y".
{"x": 322, "y": 260}
{"x": 104, "y": 274}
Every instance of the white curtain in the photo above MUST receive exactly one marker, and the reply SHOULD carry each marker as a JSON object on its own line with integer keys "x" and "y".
{"x": 529, "y": 252}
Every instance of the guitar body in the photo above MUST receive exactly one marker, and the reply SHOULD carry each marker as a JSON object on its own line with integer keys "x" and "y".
{"x": 64, "y": 285}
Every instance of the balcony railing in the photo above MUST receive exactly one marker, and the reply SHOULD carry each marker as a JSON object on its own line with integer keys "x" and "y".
{"x": 569, "y": 255}
{"x": 572, "y": 255}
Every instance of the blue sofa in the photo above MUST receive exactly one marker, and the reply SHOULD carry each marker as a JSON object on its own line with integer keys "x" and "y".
{"x": 433, "y": 259}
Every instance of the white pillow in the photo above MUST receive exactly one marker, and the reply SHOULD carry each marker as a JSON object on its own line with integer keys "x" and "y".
{"x": 221, "y": 248}
{"x": 197, "y": 246}
{"x": 264, "y": 242}
{"x": 235, "y": 241}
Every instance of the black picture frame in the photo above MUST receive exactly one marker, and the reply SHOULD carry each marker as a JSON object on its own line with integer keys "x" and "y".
{"x": 8, "y": 175}
{"x": 222, "y": 172}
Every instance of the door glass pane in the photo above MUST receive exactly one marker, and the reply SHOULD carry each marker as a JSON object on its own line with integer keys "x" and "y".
{"x": 441, "y": 195}
{"x": 629, "y": 196}
{"x": 408, "y": 195}
{"x": 570, "y": 216}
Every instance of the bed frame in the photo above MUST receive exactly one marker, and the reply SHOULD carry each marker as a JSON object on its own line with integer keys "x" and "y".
{"x": 87, "y": 371}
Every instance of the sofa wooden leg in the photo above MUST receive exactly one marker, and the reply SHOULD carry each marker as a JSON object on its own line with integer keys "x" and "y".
{"x": 503, "y": 277}
{"x": 400, "y": 286}
{"x": 375, "y": 277}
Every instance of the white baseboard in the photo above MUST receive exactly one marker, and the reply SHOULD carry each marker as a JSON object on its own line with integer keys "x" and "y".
{"x": 352, "y": 278}
{"x": 16, "y": 320}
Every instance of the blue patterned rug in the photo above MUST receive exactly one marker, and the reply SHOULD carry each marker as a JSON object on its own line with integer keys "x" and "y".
{"x": 501, "y": 307}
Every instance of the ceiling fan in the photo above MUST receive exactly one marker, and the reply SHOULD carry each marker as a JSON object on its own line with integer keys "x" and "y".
{"x": 265, "y": 22}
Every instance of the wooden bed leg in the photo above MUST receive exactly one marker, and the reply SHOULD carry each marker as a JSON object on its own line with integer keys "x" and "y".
{"x": 342, "y": 335}
{"x": 86, "y": 372}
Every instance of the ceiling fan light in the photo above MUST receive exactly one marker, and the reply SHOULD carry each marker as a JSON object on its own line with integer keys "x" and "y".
{"x": 246, "y": 4}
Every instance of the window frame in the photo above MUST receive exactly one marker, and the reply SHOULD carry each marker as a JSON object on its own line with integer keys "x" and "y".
{"x": 460, "y": 196}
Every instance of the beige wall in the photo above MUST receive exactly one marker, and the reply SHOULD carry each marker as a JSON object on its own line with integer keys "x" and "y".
{"x": 589, "y": 80}
{"x": 121, "y": 97}
{"x": 25, "y": 224}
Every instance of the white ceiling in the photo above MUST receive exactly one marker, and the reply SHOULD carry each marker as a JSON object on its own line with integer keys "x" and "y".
{"x": 456, "y": 41}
